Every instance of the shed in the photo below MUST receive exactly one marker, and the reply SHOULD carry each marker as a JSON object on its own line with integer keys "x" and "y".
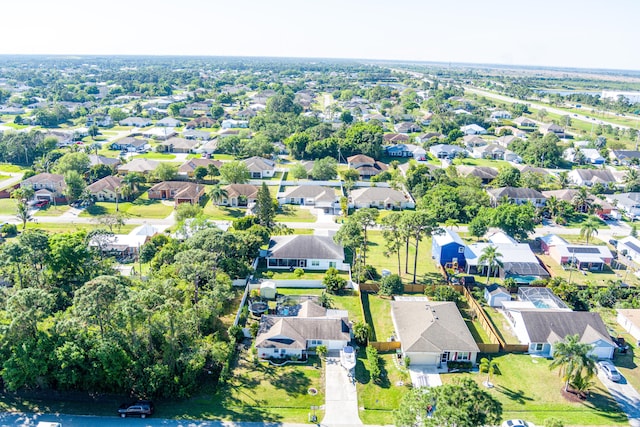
{"x": 268, "y": 290}
{"x": 629, "y": 319}
{"x": 495, "y": 294}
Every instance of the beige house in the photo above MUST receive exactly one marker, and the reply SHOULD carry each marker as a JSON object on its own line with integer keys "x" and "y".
{"x": 106, "y": 189}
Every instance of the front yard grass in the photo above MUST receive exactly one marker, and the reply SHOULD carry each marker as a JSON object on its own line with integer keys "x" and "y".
{"x": 223, "y": 212}
{"x": 141, "y": 207}
{"x": 380, "y": 399}
{"x": 9, "y": 167}
{"x": 8, "y": 206}
{"x": 378, "y": 311}
{"x": 154, "y": 155}
{"x": 528, "y": 390}
{"x": 289, "y": 213}
{"x": 51, "y": 210}
{"x": 70, "y": 227}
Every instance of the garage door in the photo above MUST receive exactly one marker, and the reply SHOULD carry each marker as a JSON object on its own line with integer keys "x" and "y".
{"x": 603, "y": 352}
{"x": 423, "y": 359}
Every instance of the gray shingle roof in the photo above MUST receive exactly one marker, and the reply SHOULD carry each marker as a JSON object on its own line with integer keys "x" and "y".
{"x": 553, "y": 326}
{"x": 293, "y": 332}
{"x": 431, "y": 327}
{"x": 305, "y": 247}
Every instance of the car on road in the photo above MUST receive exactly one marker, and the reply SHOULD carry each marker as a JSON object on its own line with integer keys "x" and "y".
{"x": 140, "y": 408}
{"x": 515, "y": 423}
{"x": 609, "y": 370}
{"x": 41, "y": 204}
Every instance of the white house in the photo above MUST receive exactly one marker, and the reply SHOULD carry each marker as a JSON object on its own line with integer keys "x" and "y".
{"x": 310, "y": 252}
{"x": 295, "y": 335}
{"x": 589, "y": 177}
{"x": 629, "y": 247}
{"x": 432, "y": 333}
{"x": 232, "y": 124}
{"x": 500, "y": 114}
{"x": 311, "y": 195}
{"x": 473, "y": 130}
{"x": 260, "y": 167}
{"x": 542, "y": 329}
{"x": 379, "y": 197}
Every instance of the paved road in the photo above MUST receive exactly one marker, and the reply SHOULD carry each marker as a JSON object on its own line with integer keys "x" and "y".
{"x": 627, "y": 397}
{"x": 341, "y": 401}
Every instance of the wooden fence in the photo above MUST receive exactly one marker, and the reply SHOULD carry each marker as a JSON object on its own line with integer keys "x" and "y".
{"x": 409, "y": 288}
{"x": 385, "y": 345}
{"x": 488, "y": 327}
{"x": 516, "y": 348}
{"x": 488, "y": 348}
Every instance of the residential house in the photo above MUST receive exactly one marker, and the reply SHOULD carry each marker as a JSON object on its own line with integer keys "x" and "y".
{"x": 628, "y": 203}
{"x": 239, "y": 195}
{"x": 630, "y": 248}
{"x": 500, "y": 114}
{"x": 141, "y": 166}
{"x": 406, "y": 150}
{"x": 95, "y": 160}
{"x": 106, "y": 189}
{"x": 589, "y": 155}
{"x": 208, "y": 147}
{"x": 473, "y": 130}
{"x": 196, "y": 134}
{"x": 525, "y": 122}
{"x": 552, "y": 128}
{"x": 543, "y": 329}
{"x": 317, "y": 196}
{"x": 447, "y": 249}
{"x": 294, "y": 336}
{"x": 495, "y": 295}
{"x": 169, "y": 122}
{"x": 189, "y": 167}
{"x": 234, "y": 124}
{"x": 260, "y": 167}
{"x": 472, "y": 141}
{"x": 432, "y": 333}
{"x": 104, "y": 121}
{"x": 246, "y": 114}
{"x": 376, "y": 116}
{"x": 366, "y": 166}
{"x": 310, "y": 252}
{"x": 583, "y": 257}
{"x": 624, "y": 157}
{"x": 179, "y": 191}
{"x": 491, "y": 151}
{"x": 131, "y": 145}
{"x": 550, "y": 240}
{"x": 200, "y": 122}
{"x": 505, "y": 140}
{"x": 510, "y": 131}
{"x": 178, "y": 145}
{"x": 379, "y": 197}
{"x": 447, "y": 151}
{"x": 63, "y": 138}
{"x": 395, "y": 138}
{"x": 512, "y": 157}
{"x": 426, "y": 137}
{"x": 589, "y": 177}
{"x": 485, "y": 173}
{"x": 46, "y": 186}
{"x": 517, "y": 195}
{"x": 407, "y": 127}
{"x": 125, "y": 247}
{"x": 629, "y": 319}
{"x": 138, "y": 122}
{"x": 569, "y": 195}
{"x": 228, "y": 132}
{"x": 518, "y": 261}
{"x": 161, "y": 133}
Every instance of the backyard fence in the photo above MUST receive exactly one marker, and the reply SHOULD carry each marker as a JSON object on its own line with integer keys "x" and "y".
{"x": 488, "y": 327}
{"x": 385, "y": 345}
{"x": 488, "y": 348}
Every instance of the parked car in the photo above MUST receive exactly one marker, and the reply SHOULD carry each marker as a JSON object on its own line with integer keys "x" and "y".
{"x": 141, "y": 408}
{"x": 48, "y": 424}
{"x": 515, "y": 423}
{"x": 609, "y": 370}
{"x": 41, "y": 204}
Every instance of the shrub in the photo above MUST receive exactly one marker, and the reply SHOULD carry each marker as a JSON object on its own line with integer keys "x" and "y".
{"x": 459, "y": 365}
{"x": 443, "y": 293}
{"x": 391, "y": 285}
{"x": 10, "y": 230}
{"x": 298, "y": 272}
{"x": 244, "y": 223}
{"x": 255, "y": 326}
{"x": 373, "y": 362}
{"x": 322, "y": 351}
{"x": 268, "y": 274}
{"x": 236, "y": 333}
{"x": 333, "y": 282}
{"x": 361, "y": 332}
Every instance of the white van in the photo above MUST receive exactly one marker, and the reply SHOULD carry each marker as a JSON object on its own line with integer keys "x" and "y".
{"x": 48, "y": 424}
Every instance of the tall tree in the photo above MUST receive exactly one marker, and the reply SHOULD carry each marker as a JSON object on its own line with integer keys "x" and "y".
{"x": 392, "y": 233}
{"x": 23, "y": 213}
{"x": 218, "y": 194}
{"x": 573, "y": 359}
{"x": 421, "y": 224}
{"x": 589, "y": 227}
{"x": 491, "y": 257}
{"x": 265, "y": 209}
{"x": 235, "y": 172}
{"x": 365, "y": 218}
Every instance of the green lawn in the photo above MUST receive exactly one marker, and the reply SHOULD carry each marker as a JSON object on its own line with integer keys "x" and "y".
{"x": 290, "y": 213}
{"x": 480, "y": 162}
{"x": 70, "y": 227}
{"x": 528, "y": 390}
{"x": 583, "y": 277}
{"x": 348, "y": 300}
{"x": 223, "y": 212}
{"x": 155, "y": 156}
{"x": 142, "y": 207}
{"x": 378, "y": 311}
{"x": 51, "y": 210}
{"x": 8, "y": 167}
{"x": 8, "y": 206}
{"x": 426, "y": 271}
{"x": 379, "y": 400}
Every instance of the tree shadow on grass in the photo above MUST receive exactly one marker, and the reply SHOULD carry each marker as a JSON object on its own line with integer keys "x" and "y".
{"x": 515, "y": 395}
{"x": 362, "y": 374}
{"x": 367, "y": 315}
{"x": 293, "y": 382}
{"x": 605, "y": 405}
{"x": 96, "y": 210}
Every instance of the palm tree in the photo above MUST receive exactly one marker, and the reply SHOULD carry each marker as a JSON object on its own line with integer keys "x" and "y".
{"x": 574, "y": 359}
{"x": 132, "y": 180}
{"x": 23, "y": 213}
{"x": 589, "y": 228}
{"x": 581, "y": 201}
{"x": 563, "y": 179}
{"x": 631, "y": 179}
{"x": 489, "y": 366}
{"x": 218, "y": 194}
{"x": 491, "y": 257}
{"x": 451, "y": 223}
{"x": 553, "y": 206}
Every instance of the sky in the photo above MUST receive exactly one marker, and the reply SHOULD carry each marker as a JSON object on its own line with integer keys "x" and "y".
{"x": 560, "y": 33}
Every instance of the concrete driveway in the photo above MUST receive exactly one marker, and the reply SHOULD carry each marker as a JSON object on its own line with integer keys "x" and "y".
{"x": 627, "y": 397}
{"x": 424, "y": 376}
{"x": 341, "y": 402}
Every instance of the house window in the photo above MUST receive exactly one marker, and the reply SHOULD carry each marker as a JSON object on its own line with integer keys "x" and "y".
{"x": 463, "y": 356}
{"x": 315, "y": 263}
{"x": 461, "y": 250}
{"x": 539, "y": 346}
{"x": 332, "y": 264}
{"x": 316, "y": 343}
